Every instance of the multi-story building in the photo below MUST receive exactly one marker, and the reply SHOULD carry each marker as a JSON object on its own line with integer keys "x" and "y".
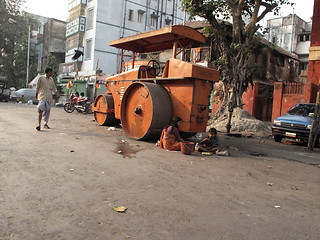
{"x": 292, "y": 34}
{"x": 93, "y": 23}
{"x": 36, "y": 39}
{"x": 47, "y": 35}
{"x": 54, "y": 41}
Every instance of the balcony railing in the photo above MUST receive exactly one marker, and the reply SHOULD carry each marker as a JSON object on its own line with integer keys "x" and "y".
{"x": 294, "y": 88}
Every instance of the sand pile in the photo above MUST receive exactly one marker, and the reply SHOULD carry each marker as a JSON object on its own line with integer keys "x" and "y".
{"x": 242, "y": 122}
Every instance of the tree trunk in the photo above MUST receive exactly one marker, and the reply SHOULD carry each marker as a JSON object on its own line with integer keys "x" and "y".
{"x": 236, "y": 74}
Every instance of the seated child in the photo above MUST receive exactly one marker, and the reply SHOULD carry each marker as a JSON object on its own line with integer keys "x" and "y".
{"x": 209, "y": 144}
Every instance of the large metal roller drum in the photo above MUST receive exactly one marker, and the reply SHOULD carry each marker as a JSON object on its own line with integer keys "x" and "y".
{"x": 145, "y": 110}
{"x": 104, "y": 110}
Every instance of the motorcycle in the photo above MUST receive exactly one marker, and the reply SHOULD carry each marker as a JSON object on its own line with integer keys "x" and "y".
{"x": 82, "y": 105}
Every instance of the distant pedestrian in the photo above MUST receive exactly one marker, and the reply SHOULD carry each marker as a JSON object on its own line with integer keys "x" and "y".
{"x": 44, "y": 89}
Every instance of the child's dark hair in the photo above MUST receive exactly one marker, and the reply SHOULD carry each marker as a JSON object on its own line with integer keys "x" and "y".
{"x": 213, "y": 130}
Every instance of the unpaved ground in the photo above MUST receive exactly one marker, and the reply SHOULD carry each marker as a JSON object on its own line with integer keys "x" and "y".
{"x": 62, "y": 184}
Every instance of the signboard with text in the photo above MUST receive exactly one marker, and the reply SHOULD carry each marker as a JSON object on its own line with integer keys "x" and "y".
{"x": 75, "y": 26}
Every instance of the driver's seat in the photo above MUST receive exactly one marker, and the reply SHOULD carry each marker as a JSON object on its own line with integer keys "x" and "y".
{"x": 145, "y": 72}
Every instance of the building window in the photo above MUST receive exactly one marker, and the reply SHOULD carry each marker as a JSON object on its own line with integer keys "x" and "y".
{"x": 301, "y": 38}
{"x": 154, "y": 20}
{"x": 90, "y": 15}
{"x": 304, "y": 37}
{"x": 74, "y": 3}
{"x": 168, "y": 21}
{"x": 140, "y": 16}
{"x": 88, "y": 49}
{"x": 303, "y": 66}
{"x": 274, "y": 40}
{"x": 307, "y": 37}
{"x": 35, "y": 27}
{"x": 130, "y": 16}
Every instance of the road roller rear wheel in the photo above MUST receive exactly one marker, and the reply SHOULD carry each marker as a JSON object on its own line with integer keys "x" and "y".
{"x": 104, "y": 103}
{"x": 145, "y": 110}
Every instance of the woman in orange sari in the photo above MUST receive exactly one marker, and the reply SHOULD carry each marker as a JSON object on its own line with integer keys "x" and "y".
{"x": 170, "y": 138}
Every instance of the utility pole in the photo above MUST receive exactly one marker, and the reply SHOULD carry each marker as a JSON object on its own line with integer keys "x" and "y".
{"x": 314, "y": 132}
{"x": 28, "y": 56}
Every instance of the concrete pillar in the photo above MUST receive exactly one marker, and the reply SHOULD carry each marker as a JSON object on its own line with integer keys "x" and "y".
{"x": 277, "y": 100}
{"x": 315, "y": 33}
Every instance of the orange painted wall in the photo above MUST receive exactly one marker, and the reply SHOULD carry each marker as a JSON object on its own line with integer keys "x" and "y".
{"x": 249, "y": 99}
{"x": 314, "y": 72}
{"x": 282, "y": 103}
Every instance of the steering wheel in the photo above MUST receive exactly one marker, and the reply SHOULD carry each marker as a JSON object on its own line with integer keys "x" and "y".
{"x": 153, "y": 68}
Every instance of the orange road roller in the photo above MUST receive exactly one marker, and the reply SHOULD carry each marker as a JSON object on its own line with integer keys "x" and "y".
{"x": 145, "y": 103}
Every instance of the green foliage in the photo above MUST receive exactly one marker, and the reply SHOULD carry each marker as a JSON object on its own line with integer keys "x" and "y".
{"x": 52, "y": 63}
{"x": 33, "y": 72}
{"x": 235, "y": 40}
{"x": 20, "y": 60}
{"x": 13, "y": 42}
{"x": 221, "y": 9}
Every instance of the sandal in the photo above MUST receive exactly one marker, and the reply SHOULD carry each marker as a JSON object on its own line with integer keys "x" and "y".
{"x": 46, "y": 126}
{"x": 38, "y": 128}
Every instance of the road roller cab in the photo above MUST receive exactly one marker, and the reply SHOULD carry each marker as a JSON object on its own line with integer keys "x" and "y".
{"x": 144, "y": 102}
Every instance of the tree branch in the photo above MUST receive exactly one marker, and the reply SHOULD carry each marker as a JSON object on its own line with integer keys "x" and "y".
{"x": 219, "y": 32}
{"x": 231, "y": 3}
{"x": 254, "y": 17}
{"x": 269, "y": 8}
{"x": 242, "y": 3}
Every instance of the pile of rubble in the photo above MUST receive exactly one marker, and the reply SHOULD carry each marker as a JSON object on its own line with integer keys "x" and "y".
{"x": 242, "y": 122}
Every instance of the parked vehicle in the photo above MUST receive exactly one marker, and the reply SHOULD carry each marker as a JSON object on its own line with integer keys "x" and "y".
{"x": 144, "y": 101}
{"x": 80, "y": 104}
{"x": 4, "y": 91}
{"x": 28, "y": 93}
{"x": 295, "y": 124}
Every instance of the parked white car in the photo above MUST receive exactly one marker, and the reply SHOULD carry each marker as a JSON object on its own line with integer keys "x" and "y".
{"x": 28, "y": 93}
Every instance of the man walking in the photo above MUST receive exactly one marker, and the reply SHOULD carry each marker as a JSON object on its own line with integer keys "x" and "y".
{"x": 45, "y": 86}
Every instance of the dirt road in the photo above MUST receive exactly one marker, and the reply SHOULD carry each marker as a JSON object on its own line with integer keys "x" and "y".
{"x": 63, "y": 183}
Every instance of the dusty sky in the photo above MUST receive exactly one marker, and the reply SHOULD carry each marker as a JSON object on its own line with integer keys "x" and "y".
{"x": 49, "y": 8}
{"x": 303, "y": 8}
{"x": 58, "y": 8}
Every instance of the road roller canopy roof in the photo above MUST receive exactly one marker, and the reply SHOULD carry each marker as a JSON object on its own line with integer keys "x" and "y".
{"x": 161, "y": 39}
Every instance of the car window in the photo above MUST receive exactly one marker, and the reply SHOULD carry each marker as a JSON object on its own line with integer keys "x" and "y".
{"x": 26, "y": 91}
{"x": 302, "y": 109}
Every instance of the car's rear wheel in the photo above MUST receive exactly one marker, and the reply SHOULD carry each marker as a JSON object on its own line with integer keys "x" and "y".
{"x": 277, "y": 138}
